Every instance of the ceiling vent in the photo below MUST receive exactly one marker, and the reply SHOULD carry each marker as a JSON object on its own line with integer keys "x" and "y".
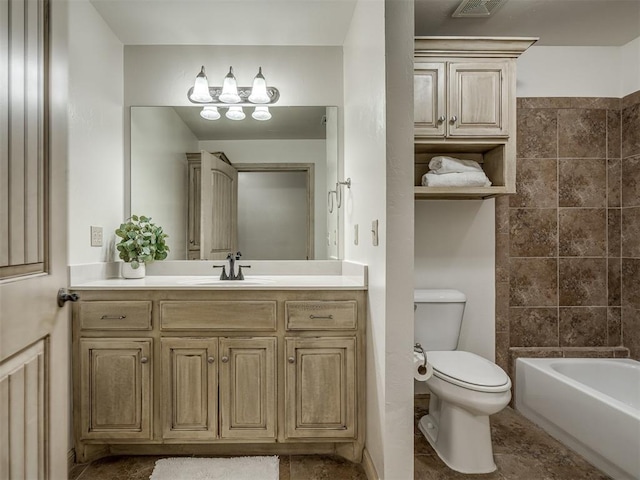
{"x": 477, "y": 8}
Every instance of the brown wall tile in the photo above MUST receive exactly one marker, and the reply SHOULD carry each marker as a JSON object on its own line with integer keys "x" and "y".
{"x": 582, "y": 182}
{"x": 631, "y": 282}
{"x": 530, "y": 103}
{"x": 631, "y": 331}
{"x": 533, "y": 327}
{"x": 536, "y": 183}
{"x": 614, "y": 182}
{"x": 614, "y": 216}
{"x": 631, "y": 99}
{"x": 502, "y": 214}
{"x": 502, "y": 257}
{"x": 613, "y": 133}
{"x": 533, "y": 232}
{"x": 582, "y": 232}
{"x": 614, "y": 326}
{"x": 631, "y": 130}
{"x": 582, "y": 281}
{"x": 614, "y": 282}
{"x": 502, "y": 307}
{"x": 582, "y": 133}
{"x": 631, "y": 182}
{"x": 583, "y": 326}
{"x": 630, "y": 232}
{"x": 533, "y": 282}
{"x": 537, "y": 133}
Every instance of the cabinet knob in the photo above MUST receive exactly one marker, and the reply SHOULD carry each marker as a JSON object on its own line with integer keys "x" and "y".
{"x": 144, "y": 360}
{"x": 210, "y": 359}
{"x": 453, "y": 120}
{"x": 225, "y": 359}
{"x": 441, "y": 119}
{"x": 291, "y": 360}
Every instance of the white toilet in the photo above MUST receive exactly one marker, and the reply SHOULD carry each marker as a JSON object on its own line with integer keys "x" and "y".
{"x": 465, "y": 388}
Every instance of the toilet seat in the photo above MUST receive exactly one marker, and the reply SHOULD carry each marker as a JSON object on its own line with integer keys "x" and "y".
{"x": 468, "y": 370}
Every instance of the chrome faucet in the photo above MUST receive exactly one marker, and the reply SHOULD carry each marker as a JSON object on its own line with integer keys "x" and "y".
{"x": 232, "y": 268}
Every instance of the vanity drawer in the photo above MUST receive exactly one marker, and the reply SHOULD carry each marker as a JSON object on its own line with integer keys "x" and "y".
{"x": 125, "y": 315}
{"x": 321, "y": 315}
{"x": 218, "y": 315}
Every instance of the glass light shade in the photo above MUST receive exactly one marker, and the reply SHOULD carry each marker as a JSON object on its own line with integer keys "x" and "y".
{"x": 210, "y": 113}
{"x": 229, "y": 89}
{"x": 200, "y": 91}
{"x": 259, "y": 89}
{"x": 261, "y": 113}
{"x": 235, "y": 113}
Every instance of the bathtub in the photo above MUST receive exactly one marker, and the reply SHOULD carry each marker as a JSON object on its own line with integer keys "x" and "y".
{"x": 592, "y": 405}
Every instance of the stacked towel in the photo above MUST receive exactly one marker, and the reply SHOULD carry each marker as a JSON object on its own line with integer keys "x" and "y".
{"x": 440, "y": 165}
{"x": 454, "y": 172}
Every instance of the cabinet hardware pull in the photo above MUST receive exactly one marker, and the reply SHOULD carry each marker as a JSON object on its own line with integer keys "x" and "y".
{"x": 441, "y": 119}
{"x": 291, "y": 360}
{"x": 144, "y": 360}
{"x": 454, "y": 119}
{"x": 113, "y": 317}
{"x": 225, "y": 359}
{"x": 210, "y": 359}
{"x": 326, "y": 317}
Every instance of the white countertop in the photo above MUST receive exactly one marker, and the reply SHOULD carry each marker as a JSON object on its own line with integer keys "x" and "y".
{"x": 251, "y": 282}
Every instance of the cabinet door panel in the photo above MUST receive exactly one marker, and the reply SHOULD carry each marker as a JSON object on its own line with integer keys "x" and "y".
{"x": 115, "y": 385}
{"x": 429, "y": 99}
{"x": 478, "y": 99}
{"x": 248, "y": 388}
{"x": 320, "y": 398}
{"x": 190, "y": 390}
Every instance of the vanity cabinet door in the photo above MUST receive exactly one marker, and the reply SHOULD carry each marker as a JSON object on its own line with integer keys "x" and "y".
{"x": 320, "y": 387}
{"x": 193, "y": 209}
{"x": 115, "y": 388}
{"x": 190, "y": 388}
{"x": 248, "y": 379}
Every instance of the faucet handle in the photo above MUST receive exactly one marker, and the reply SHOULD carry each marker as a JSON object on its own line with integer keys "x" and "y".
{"x": 240, "y": 276}
{"x": 238, "y": 255}
{"x": 223, "y": 275}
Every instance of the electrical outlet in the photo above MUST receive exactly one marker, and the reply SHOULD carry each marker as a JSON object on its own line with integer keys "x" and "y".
{"x": 355, "y": 234}
{"x": 96, "y": 236}
{"x": 374, "y": 233}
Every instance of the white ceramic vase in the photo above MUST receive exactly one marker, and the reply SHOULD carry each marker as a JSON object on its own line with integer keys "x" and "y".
{"x": 129, "y": 272}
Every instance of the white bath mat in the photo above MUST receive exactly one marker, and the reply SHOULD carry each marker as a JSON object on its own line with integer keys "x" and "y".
{"x": 235, "y": 468}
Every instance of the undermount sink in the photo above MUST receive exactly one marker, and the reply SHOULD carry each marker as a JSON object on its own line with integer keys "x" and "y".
{"x": 227, "y": 283}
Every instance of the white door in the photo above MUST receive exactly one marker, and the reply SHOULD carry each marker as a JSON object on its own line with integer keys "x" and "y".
{"x": 34, "y": 331}
{"x": 218, "y": 208}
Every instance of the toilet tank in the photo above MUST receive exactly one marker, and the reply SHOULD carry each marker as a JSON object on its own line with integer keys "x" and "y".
{"x": 438, "y": 318}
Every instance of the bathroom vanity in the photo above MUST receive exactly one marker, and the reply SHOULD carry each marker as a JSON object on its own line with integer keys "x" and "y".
{"x": 190, "y": 365}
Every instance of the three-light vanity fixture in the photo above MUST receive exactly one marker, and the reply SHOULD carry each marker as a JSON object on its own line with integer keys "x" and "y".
{"x": 232, "y": 97}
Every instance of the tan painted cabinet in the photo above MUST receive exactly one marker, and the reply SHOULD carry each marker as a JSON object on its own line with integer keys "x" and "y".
{"x": 242, "y": 370}
{"x": 219, "y": 372}
{"x": 465, "y": 107}
{"x": 190, "y": 388}
{"x": 320, "y": 387}
{"x": 115, "y": 388}
{"x": 461, "y": 99}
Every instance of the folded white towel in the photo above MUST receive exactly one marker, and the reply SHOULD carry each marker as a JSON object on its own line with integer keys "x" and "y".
{"x": 466, "y": 179}
{"x": 441, "y": 164}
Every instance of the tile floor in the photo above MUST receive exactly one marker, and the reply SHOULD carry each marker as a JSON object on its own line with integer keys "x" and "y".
{"x": 522, "y": 452}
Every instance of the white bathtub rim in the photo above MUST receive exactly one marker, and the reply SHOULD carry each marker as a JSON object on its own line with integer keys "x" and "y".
{"x": 544, "y": 364}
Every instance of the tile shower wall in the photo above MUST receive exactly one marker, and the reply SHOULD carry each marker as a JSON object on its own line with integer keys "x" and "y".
{"x": 567, "y": 248}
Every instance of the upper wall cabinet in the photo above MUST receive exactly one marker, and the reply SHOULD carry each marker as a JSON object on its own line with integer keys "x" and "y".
{"x": 461, "y": 99}
{"x": 465, "y": 107}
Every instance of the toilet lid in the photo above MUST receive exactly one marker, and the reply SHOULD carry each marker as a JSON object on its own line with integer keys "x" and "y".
{"x": 468, "y": 370}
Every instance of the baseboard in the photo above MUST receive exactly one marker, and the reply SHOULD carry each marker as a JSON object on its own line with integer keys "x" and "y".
{"x": 71, "y": 459}
{"x": 367, "y": 465}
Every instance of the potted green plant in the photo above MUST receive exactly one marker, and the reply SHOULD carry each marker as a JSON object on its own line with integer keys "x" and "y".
{"x": 141, "y": 242}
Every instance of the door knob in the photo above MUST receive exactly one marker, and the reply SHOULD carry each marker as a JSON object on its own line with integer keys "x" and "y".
{"x": 291, "y": 360}
{"x": 63, "y": 297}
{"x": 441, "y": 119}
{"x": 144, "y": 360}
{"x": 225, "y": 359}
{"x": 453, "y": 120}
{"x": 210, "y": 359}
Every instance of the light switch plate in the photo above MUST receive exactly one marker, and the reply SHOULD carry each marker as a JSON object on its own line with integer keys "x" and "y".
{"x": 374, "y": 233}
{"x": 96, "y": 236}
{"x": 355, "y": 234}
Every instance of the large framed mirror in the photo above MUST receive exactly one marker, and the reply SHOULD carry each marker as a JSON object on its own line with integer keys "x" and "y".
{"x": 259, "y": 187}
